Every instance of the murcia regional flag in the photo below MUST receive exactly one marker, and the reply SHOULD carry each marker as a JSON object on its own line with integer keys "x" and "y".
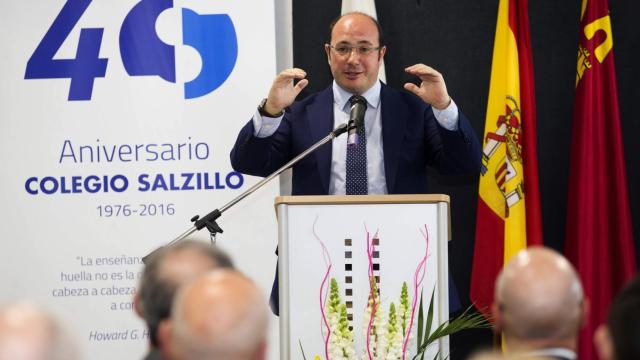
{"x": 508, "y": 215}
{"x": 599, "y": 235}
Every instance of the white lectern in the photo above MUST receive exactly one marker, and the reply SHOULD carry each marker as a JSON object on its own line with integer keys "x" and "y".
{"x": 391, "y": 239}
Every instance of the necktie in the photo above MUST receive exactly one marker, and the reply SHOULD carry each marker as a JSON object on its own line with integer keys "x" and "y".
{"x": 356, "y": 179}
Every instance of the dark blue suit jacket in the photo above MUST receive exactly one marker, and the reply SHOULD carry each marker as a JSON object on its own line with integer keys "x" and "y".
{"x": 411, "y": 137}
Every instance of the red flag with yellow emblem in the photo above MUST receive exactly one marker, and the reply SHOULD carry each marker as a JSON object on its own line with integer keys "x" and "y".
{"x": 508, "y": 215}
{"x": 599, "y": 239}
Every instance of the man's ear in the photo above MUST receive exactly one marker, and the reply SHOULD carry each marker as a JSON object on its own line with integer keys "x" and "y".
{"x": 327, "y": 50}
{"x": 137, "y": 305}
{"x": 262, "y": 351}
{"x": 586, "y": 307}
{"x": 165, "y": 332}
{"x": 496, "y": 313}
{"x": 603, "y": 343}
{"x": 383, "y": 50}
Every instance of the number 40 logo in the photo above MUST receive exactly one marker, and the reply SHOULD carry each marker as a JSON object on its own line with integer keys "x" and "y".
{"x": 142, "y": 52}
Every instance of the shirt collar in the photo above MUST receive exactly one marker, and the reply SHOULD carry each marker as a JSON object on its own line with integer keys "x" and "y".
{"x": 341, "y": 96}
{"x": 553, "y": 352}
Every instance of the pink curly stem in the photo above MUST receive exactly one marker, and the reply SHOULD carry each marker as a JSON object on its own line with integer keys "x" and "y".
{"x": 324, "y": 288}
{"x": 370, "y": 250}
{"x": 417, "y": 282}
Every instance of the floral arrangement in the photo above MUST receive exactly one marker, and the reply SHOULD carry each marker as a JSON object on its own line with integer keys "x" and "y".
{"x": 387, "y": 334}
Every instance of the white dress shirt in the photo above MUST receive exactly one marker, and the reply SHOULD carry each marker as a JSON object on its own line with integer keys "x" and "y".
{"x": 558, "y": 352}
{"x": 266, "y": 126}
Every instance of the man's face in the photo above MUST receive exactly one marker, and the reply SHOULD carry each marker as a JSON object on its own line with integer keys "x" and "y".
{"x": 354, "y": 71}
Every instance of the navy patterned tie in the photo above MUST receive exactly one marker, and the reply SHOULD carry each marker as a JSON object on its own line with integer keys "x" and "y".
{"x": 356, "y": 180}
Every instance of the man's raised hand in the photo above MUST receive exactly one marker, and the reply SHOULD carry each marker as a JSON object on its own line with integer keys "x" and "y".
{"x": 432, "y": 89}
{"x": 283, "y": 92}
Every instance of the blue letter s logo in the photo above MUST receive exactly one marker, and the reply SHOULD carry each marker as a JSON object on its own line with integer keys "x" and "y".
{"x": 214, "y": 37}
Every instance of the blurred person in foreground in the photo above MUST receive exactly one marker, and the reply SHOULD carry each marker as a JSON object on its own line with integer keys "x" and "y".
{"x": 164, "y": 273}
{"x": 539, "y": 305}
{"x": 29, "y": 333}
{"x": 619, "y": 337}
{"x": 220, "y": 316}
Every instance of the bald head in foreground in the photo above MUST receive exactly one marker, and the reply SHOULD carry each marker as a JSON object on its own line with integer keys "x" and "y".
{"x": 28, "y": 333}
{"x": 539, "y": 304}
{"x": 221, "y": 315}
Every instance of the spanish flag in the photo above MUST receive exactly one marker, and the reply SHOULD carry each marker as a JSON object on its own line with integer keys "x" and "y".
{"x": 508, "y": 214}
{"x": 599, "y": 239}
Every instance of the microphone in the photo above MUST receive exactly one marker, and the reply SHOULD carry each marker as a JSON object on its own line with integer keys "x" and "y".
{"x": 356, "y": 118}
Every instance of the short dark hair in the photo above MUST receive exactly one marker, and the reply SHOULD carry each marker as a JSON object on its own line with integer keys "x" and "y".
{"x": 335, "y": 21}
{"x": 156, "y": 293}
{"x": 624, "y": 322}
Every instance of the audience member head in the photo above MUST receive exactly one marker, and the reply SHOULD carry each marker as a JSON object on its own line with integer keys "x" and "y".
{"x": 539, "y": 301}
{"x": 28, "y": 333}
{"x": 221, "y": 315}
{"x": 618, "y": 339}
{"x": 167, "y": 270}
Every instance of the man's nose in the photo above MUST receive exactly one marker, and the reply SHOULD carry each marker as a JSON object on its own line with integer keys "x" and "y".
{"x": 353, "y": 56}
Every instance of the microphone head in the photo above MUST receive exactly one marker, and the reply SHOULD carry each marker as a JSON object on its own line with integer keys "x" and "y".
{"x": 356, "y": 117}
{"x": 357, "y": 99}
{"x": 358, "y": 108}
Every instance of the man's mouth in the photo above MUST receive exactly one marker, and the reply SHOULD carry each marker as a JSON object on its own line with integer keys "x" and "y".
{"x": 352, "y": 74}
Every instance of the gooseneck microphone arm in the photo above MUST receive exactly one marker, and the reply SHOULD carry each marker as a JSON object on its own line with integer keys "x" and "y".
{"x": 209, "y": 220}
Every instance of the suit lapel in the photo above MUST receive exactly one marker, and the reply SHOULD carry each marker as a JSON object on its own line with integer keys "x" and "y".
{"x": 394, "y": 115}
{"x": 320, "y": 121}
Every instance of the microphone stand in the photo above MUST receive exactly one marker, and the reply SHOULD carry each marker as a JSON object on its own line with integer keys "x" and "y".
{"x": 209, "y": 220}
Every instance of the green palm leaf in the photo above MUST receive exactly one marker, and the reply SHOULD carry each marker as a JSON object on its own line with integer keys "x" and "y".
{"x": 469, "y": 319}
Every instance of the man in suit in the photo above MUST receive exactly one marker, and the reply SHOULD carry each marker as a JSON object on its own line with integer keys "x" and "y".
{"x": 164, "y": 272}
{"x": 402, "y": 132}
{"x": 221, "y": 315}
{"x": 539, "y": 305}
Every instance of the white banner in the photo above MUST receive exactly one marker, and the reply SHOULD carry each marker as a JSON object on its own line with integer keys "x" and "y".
{"x": 117, "y": 118}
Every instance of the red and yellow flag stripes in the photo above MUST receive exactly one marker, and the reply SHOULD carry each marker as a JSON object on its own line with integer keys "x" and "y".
{"x": 508, "y": 215}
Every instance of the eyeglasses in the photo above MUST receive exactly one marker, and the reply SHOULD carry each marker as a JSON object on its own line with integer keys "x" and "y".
{"x": 345, "y": 50}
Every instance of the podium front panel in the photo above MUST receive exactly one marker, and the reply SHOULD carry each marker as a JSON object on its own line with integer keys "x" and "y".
{"x": 352, "y": 243}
